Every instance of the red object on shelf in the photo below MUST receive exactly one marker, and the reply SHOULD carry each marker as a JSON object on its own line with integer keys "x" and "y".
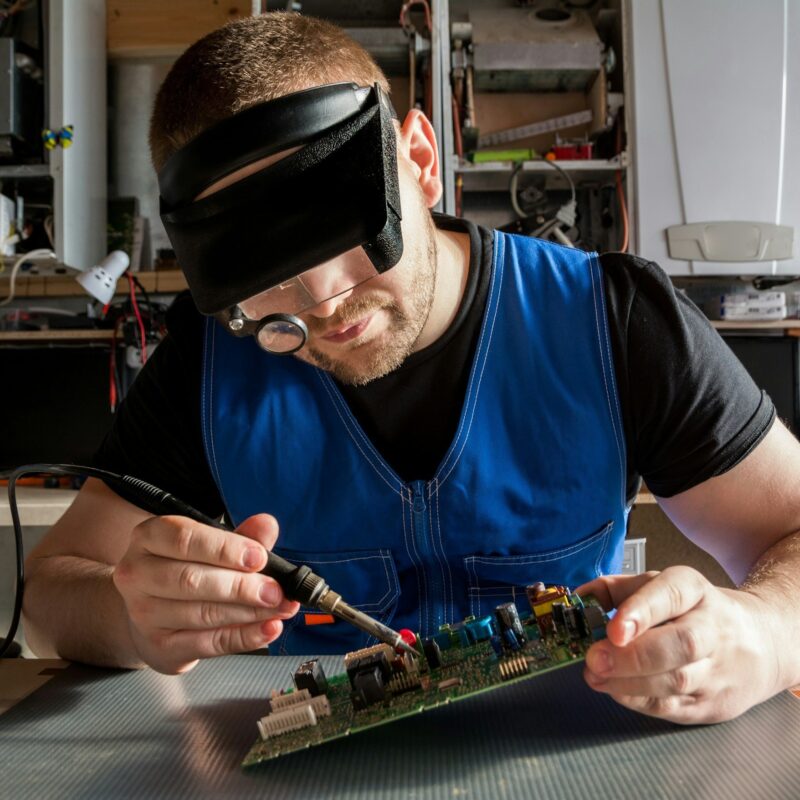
{"x": 572, "y": 152}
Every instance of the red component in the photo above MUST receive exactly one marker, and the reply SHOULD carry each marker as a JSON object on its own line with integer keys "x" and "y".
{"x": 572, "y": 152}
{"x": 409, "y": 637}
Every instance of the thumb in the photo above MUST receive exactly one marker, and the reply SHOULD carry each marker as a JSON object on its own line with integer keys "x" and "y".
{"x": 263, "y": 528}
{"x": 611, "y": 590}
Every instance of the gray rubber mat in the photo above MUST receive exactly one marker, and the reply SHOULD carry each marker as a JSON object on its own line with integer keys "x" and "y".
{"x": 107, "y": 734}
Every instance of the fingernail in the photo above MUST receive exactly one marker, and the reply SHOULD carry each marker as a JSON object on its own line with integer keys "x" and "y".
{"x": 270, "y": 595}
{"x": 602, "y": 662}
{"x": 628, "y": 630}
{"x": 251, "y": 557}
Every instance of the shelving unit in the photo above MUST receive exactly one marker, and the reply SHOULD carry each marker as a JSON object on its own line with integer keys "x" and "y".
{"x": 484, "y": 48}
{"x": 166, "y": 282}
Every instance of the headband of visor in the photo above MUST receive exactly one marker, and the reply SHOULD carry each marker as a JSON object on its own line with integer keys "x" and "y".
{"x": 258, "y": 248}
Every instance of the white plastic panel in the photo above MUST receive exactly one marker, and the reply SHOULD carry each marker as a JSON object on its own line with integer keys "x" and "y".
{"x": 716, "y": 109}
{"x": 77, "y": 96}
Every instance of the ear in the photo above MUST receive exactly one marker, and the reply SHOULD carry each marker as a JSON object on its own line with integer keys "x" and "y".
{"x": 417, "y": 143}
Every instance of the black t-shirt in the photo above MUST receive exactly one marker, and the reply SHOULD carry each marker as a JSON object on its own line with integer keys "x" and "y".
{"x": 690, "y": 410}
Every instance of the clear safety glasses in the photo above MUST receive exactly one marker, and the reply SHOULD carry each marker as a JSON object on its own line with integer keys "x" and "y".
{"x": 271, "y": 316}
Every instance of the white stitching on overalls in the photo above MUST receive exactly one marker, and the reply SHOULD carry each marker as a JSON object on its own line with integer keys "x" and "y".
{"x": 416, "y": 553}
{"x": 497, "y": 276}
{"x": 438, "y": 555}
{"x": 411, "y": 558}
{"x": 451, "y": 616}
{"x": 355, "y": 441}
{"x": 605, "y": 366}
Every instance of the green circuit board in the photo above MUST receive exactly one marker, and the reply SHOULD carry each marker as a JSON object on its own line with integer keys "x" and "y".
{"x": 464, "y": 667}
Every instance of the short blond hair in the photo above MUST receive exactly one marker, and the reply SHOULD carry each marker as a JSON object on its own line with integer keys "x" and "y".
{"x": 248, "y": 62}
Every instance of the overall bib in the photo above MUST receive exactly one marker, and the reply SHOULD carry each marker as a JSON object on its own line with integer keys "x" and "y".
{"x": 531, "y": 488}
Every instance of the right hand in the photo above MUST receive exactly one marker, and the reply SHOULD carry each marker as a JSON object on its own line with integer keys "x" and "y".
{"x": 193, "y": 591}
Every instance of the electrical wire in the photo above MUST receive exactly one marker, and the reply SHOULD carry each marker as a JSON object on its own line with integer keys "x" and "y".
{"x": 623, "y": 212}
{"x": 138, "y": 316}
{"x": 32, "y": 469}
{"x": 459, "y": 145}
{"x": 512, "y": 186}
{"x": 40, "y": 253}
{"x": 404, "y": 9}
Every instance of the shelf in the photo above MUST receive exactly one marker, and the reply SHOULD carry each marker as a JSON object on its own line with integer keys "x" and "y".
{"x": 162, "y": 281}
{"x": 774, "y": 325}
{"x": 11, "y": 171}
{"x": 494, "y": 175}
{"x": 57, "y": 335}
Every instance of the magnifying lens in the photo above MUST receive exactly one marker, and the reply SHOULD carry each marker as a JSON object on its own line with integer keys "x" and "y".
{"x": 271, "y": 316}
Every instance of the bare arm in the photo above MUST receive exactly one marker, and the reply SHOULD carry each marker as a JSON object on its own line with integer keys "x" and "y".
{"x": 112, "y": 585}
{"x": 685, "y": 650}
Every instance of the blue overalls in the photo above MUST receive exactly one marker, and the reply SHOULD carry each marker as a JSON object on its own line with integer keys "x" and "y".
{"x": 532, "y": 487}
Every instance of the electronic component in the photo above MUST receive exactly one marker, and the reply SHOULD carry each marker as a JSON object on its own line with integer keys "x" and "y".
{"x": 507, "y": 618}
{"x": 513, "y": 667}
{"x": 310, "y": 676}
{"x": 381, "y": 685}
{"x": 368, "y": 687}
{"x": 298, "y": 711}
{"x": 433, "y": 653}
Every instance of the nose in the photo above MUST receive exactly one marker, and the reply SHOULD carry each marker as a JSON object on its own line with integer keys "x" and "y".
{"x": 327, "y": 307}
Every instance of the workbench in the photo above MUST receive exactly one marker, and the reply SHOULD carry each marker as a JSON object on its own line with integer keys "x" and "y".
{"x": 100, "y": 733}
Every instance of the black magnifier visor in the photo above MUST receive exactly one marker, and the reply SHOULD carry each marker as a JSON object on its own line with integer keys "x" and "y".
{"x": 336, "y": 195}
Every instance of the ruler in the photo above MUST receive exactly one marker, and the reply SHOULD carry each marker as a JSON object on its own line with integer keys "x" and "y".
{"x": 535, "y": 128}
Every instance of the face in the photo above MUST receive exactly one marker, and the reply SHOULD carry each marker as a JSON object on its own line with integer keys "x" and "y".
{"x": 368, "y": 331}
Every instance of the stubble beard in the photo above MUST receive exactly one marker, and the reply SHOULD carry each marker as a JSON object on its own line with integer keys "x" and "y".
{"x": 378, "y": 358}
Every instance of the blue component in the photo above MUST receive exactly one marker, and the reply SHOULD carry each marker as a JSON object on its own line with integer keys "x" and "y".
{"x": 497, "y": 645}
{"x": 511, "y": 639}
{"x": 463, "y": 636}
{"x": 480, "y": 629}
{"x": 443, "y": 638}
{"x": 598, "y": 633}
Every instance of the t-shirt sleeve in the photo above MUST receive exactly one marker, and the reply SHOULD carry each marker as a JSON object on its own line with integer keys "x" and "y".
{"x": 690, "y": 409}
{"x": 156, "y": 433}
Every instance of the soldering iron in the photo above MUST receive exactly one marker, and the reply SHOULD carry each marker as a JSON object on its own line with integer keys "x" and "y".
{"x": 298, "y": 582}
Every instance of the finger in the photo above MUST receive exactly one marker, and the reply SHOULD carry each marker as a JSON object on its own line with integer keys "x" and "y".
{"x": 661, "y": 649}
{"x": 181, "y": 580}
{"x": 611, "y": 590}
{"x": 183, "y": 539}
{"x": 153, "y": 612}
{"x": 670, "y": 594}
{"x": 189, "y": 645}
{"x": 682, "y": 709}
{"x": 263, "y": 528}
{"x": 686, "y": 680}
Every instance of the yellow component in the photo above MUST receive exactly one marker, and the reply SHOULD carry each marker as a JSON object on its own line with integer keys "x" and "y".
{"x": 553, "y": 594}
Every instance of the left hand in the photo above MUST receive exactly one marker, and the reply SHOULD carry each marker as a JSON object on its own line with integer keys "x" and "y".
{"x": 682, "y": 649}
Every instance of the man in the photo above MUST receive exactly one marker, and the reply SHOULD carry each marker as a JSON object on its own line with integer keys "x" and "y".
{"x": 473, "y": 417}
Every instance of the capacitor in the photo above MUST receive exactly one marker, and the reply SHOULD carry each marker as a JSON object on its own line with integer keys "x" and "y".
{"x": 507, "y": 618}
{"x": 510, "y": 639}
{"x": 497, "y": 644}
{"x": 481, "y": 629}
{"x": 310, "y": 675}
{"x": 571, "y": 616}
{"x": 558, "y": 618}
{"x": 433, "y": 654}
{"x": 443, "y": 638}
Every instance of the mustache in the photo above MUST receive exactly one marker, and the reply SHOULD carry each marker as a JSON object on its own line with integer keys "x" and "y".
{"x": 350, "y": 311}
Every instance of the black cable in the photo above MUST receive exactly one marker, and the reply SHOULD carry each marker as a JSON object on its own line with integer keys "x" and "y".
{"x": 50, "y": 469}
{"x": 298, "y": 582}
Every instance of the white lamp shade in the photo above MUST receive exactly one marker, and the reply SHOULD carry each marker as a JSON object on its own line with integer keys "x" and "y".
{"x": 101, "y": 281}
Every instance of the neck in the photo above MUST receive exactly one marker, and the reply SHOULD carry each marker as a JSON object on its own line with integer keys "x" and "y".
{"x": 452, "y": 269}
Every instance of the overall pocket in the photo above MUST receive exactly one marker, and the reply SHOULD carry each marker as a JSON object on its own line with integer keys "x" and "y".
{"x": 492, "y": 580}
{"x": 366, "y": 579}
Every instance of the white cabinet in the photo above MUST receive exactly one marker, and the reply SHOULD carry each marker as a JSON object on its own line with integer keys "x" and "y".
{"x": 715, "y": 121}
